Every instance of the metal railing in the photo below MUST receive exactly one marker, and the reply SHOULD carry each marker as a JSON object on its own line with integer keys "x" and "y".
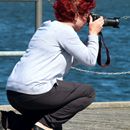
{"x": 38, "y": 21}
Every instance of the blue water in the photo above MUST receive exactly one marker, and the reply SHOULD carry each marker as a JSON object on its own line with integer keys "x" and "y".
{"x": 17, "y": 26}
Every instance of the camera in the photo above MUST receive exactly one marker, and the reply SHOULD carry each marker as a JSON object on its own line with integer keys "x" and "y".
{"x": 113, "y": 22}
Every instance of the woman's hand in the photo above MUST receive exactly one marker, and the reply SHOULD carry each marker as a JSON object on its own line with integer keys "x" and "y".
{"x": 96, "y": 26}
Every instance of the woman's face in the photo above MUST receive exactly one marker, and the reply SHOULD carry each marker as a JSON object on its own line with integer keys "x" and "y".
{"x": 80, "y": 21}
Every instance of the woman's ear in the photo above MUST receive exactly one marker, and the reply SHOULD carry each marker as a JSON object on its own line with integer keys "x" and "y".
{"x": 75, "y": 18}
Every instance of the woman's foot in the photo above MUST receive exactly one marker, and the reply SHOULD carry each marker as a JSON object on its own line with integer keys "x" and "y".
{"x": 7, "y": 119}
{"x": 40, "y": 125}
{"x": 4, "y": 120}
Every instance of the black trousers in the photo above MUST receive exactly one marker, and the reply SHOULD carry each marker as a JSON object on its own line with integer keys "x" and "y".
{"x": 53, "y": 108}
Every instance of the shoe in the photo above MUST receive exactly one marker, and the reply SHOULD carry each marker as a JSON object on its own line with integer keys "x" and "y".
{"x": 4, "y": 119}
{"x": 58, "y": 127}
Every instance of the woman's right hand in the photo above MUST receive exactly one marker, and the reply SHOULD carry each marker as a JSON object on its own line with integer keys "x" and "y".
{"x": 96, "y": 26}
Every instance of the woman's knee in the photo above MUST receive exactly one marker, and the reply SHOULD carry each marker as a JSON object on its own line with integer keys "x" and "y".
{"x": 89, "y": 94}
{"x": 88, "y": 91}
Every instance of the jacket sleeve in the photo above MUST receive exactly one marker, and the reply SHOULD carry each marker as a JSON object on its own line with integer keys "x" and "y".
{"x": 83, "y": 54}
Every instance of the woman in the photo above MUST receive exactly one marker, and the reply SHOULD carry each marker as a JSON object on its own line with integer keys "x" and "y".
{"x": 36, "y": 87}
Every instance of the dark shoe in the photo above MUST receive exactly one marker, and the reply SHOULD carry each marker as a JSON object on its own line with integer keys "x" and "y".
{"x": 4, "y": 119}
{"x": 58, "y": 127}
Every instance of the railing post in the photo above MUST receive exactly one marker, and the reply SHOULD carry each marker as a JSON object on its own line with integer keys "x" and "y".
{"x": 38, "y": 13}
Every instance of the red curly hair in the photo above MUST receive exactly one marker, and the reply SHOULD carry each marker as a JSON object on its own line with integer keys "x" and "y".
{"x": 65, "y": 10}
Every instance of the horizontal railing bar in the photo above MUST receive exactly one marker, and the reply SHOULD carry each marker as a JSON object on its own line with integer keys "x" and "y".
{"x": 18, "y": 0}
{"x": 11, "y": 53}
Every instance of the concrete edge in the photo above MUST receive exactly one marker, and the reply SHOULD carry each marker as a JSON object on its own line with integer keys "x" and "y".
{"x": 6, "y": 108}
{"x": 94, "y": 105}
{"x": 120, "y": 104}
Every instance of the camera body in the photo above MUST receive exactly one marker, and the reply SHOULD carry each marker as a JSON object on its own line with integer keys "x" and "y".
{"x": 113, "y": 22}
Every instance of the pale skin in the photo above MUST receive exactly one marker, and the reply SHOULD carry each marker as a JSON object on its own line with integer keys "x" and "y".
{"x": 95, "y": 28}
{"x": 42, "y": 126}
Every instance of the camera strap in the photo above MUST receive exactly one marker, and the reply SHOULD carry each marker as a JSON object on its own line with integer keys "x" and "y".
{"x": 101, "y": 45}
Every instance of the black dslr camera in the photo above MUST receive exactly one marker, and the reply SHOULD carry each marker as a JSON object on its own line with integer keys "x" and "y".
{"x": 113, "y": 22}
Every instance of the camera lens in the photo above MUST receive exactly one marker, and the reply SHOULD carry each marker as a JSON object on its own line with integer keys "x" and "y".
{"x": 114, "y": 22}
